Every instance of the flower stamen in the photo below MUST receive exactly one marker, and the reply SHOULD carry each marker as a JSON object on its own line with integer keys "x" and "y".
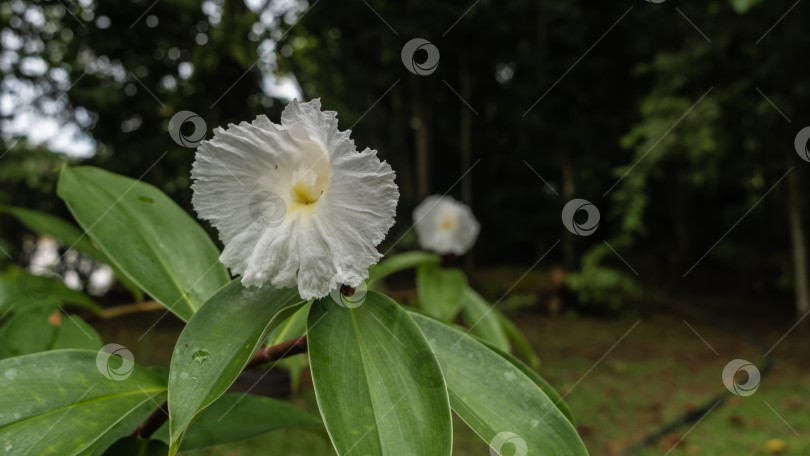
{"x": 308, "y": 186}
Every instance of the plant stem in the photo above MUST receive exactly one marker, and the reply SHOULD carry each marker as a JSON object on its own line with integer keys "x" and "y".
{"x": 153, "y": 422}
{"x": 280, "y": 351}
{"x": 119, "y": 311}
{"x": 264, "y": 355}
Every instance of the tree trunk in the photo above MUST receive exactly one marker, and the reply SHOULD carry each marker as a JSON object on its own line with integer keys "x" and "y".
{"x": 568, "y": 190}
{"x": 422, "y": 145}
{"x": 797, "y": 241}
{"x": 465, "y": 146}
{"x": 465, "y": 135}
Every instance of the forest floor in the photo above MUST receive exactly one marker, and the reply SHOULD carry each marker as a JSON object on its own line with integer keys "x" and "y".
{"x": 624, "y": 378}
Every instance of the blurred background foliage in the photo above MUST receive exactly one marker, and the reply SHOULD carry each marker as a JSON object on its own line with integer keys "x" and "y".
{"x": 662, "y": 115}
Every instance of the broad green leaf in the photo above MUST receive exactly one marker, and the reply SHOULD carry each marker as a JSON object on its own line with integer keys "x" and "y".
{"x": 76, "y": 333}
{"x": 123, "y": 428}
{"x": 29, "y": 331}
{"x": 146, "y": 236}
{"x": 217, "y": 344}
{"x": 234, "y": 417}
{"x": 58, "y": 402}
{"x": 136, "y": 446}
{"x": 401, "y": 262}
{"x": 379, "y": 386}
{"x": 69, "y": 235}
{"x": 293, "y": 327}
{"x": 64, "y": 231}
{"x": 440, "y": 291}
{"x": 20, "y": 289}
{"x": 519, "y": 340}
{"x": 496, "y": 399}
{"x": 539, "y": 381}
{"x": 482, "y": 319}
{"x": 42, "y": 328}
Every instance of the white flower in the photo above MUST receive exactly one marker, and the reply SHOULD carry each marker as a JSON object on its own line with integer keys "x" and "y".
{"x": 295, "y": 203}
{"x": 445, "y": 225}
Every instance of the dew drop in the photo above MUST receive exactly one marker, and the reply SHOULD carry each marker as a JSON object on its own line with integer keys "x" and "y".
{"x": 201, "y": 356}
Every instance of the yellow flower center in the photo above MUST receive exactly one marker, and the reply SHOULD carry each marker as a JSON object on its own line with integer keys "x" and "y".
{"x": 447, "y": 223}
{"x": 308, "y": 186}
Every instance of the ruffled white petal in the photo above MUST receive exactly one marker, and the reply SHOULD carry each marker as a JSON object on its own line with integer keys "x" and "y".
{"x": 295, "y": 203}
{"x": 444, "y": 225}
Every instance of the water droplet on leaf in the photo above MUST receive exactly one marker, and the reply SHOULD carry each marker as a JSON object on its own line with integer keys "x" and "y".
{"x": 201, "y": 356}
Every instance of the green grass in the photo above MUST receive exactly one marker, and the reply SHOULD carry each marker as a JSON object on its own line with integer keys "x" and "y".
{"x": 660, "y": 371}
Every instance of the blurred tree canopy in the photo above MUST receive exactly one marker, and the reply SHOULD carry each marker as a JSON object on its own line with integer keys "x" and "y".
{"x": 676, "y": 120}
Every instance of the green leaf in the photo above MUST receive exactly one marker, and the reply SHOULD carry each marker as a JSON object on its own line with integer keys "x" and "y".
{"x": 136, "y": 446}
{"x": 42, "y": 328}
{"x": 20, "y": 289}
{"x": 146, "y": 236}
{"x": 69, "y": 235}
{"x": 58, "y": 402}
{"x": 482, "y": 319}
{"x": 541, "y": 382}
{"x": 293, "y": 327}
{"x": 29, "y": 331}
{"x": 64, "y": 231}
{"x": 122, "y": 428}
{"x": 234, "y": 417}
{"x": 217, "y": 344}
{"x": 76, "y": 333}
{"x": 519, "y": 340}
{"x": 496, "y": 399}
{"x": 440, "y": 291}
{"x": 379, "y": 387}
{"x": 400, "y": 262}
